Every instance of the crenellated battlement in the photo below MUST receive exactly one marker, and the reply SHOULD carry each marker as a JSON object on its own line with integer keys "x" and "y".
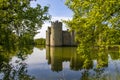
{"x": 56, "y": 24}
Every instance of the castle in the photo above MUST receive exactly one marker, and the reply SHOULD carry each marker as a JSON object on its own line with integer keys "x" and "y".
{"x": 56, "y": 37}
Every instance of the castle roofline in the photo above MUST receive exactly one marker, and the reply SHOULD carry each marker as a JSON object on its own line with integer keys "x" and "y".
{"x": 56, "y": 22}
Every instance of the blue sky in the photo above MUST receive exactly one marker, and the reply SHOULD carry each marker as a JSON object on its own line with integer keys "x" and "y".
{"x": 57, "y": 9}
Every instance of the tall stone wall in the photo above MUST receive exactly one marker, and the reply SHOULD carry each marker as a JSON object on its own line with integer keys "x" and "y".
{"x": 66, "y": 38}
{"x": 48, "y": 32}
{"x": 56, "y": 34}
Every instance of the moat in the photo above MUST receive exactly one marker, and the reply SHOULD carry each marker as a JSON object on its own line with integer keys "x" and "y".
{"x": 60, "y": 63}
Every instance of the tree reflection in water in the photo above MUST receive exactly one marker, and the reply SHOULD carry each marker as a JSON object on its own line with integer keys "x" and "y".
{"x": 15, "y": 70}
{"x": 83, "y": 62}
{"x": 91, "y": 65}
{"x": 77, "y": 61}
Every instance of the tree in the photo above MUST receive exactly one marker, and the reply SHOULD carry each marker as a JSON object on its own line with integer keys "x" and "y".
{"x": 95, "y": 21}
{"x": 40, "y": 41}
{"x": 18, "y": 18}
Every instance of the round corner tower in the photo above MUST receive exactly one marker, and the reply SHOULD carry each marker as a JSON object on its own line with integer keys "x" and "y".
{"x": 56, "y": 34}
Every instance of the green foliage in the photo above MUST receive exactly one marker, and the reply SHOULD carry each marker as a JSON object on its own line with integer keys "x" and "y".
{"x": 96, "y": 22}
{"x": 19, "y": 21}
{"x": 18, "y": 70}
{"x": 40, "y": 41}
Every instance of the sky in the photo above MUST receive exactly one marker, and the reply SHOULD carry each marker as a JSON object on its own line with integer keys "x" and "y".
{"x": 58, "y": 11}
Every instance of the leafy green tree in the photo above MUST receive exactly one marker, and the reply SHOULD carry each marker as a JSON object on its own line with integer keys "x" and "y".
{"x": 96, "y": 22}
{"x": 18, "y": 18}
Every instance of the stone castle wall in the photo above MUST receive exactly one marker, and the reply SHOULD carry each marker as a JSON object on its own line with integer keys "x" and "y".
{"x": 48, "y": 32}
{"x": 56, "y": 34}
{"x": 66, "y": 38}
{"x": 56, "y": 37}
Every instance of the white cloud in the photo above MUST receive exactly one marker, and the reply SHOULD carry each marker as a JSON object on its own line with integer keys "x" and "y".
{"x": 61, "y": 18}
{"x": 42, "y": 31}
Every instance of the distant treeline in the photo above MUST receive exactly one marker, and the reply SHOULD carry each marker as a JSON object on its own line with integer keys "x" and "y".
{"x": 40, "y": 41}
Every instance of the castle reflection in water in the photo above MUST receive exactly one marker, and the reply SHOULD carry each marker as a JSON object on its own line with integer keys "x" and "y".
{"x": 57, "y": 55}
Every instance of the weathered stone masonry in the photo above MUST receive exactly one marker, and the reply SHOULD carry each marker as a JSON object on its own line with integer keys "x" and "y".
{"x": 56, "y": 37}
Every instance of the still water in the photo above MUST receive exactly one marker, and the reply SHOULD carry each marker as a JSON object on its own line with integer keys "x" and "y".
{"x": 60, "y": 63}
